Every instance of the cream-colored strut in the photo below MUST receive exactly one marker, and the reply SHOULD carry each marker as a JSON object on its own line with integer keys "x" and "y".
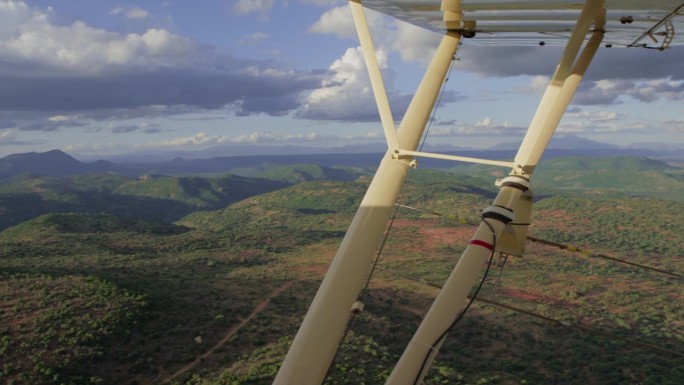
{"x": 423, "y": 347}
{"x": 562, "y": 87}
{"x": 375, "y": 75}
{"x": 323, "y": 327}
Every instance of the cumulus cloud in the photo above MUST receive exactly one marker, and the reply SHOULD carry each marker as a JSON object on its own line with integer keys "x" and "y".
{"x": 338, "y": 21}
{"x": 602, "y": 92}
{"x": 203, "y": 139}
{"x": 652, "y": 90}
{"x": 134, "y": 13}
{"x": 485, "y": 127}
{"x": 268, "y": 137}
{"x": 539, "y": 83}
{"x": 346, "y": 93}
{"x": 606, "y": 92}
{"x": 257, "y": 137}
{"x": 413, "y": 44}
{"x": 46, "y": 66}
{"x": 81, "y": 49}
{"x": 579, "y": 120}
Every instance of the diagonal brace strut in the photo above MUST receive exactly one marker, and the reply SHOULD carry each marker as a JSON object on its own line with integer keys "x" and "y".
{"x": 446, "y": 310}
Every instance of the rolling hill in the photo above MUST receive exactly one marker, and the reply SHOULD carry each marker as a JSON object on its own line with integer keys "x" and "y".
{"x": 54, "y": 162}
{"x": 605, "y": 176}
{"x": 215, "y": 297}
{"x": 157, "y": 198}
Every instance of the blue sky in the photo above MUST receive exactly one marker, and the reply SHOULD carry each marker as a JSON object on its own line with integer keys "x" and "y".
{"x": 99, "y": 78}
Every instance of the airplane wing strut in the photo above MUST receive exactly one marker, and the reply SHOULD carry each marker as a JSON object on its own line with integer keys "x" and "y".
{"x": 586, "y": 23}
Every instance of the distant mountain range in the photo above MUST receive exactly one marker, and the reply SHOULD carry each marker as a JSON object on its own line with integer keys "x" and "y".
{"x": 55, "y": 163}
{"x": 58, "y": 163}
{"x": 577, "y": 144}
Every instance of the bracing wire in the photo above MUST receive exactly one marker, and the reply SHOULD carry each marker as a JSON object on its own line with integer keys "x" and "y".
{"x": 465, "y": 309}
{"x": 406, "y": 183}
{"x": 598, "y": 255}
{"x": 556, "y": 244}
{"x": 542, "y": 317}
{"x": 396, "y": 210}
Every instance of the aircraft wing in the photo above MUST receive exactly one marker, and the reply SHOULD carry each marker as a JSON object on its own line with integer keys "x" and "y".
{"x": 629, "y": 23}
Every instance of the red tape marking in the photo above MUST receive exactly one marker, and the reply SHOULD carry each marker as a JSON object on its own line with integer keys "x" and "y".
{"x": 484, "y": 244}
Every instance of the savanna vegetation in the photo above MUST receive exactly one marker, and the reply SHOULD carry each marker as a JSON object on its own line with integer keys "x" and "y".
{"x": 107, "y": 279}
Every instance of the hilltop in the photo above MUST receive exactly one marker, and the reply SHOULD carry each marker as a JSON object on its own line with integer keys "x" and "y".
{"x": 55, "y": 162}
{"x": 151, "y": 197}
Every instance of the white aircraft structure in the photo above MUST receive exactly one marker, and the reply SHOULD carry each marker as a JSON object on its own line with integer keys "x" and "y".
{"x": 582, "y": 26}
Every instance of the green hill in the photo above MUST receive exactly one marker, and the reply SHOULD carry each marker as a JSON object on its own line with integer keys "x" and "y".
{"x": 296, "y": 173}
{"x": 54, "y": 162}
{"x": 619, "y": 176}
{"x": 157, "y": 198}
{"x": 52, "y": 325}
{"x": 204, "y": 193}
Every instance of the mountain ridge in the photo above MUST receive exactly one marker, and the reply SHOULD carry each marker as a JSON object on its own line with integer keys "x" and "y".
{"x": 59, "y": 163}
{"x": 53, "y": 162}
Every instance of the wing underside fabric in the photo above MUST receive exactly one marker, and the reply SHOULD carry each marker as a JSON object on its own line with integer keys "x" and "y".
{"x": 629, "y": 23}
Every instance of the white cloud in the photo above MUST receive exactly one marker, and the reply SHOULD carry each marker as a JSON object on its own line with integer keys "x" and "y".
{"x": 14, "y": 13}
{"x": 79, "y": 48}
{"x": 539, "y": 83}
{"x": 133, "y": 13}
{"x": 337, "y": 21}
{"x": 413, "y": 44}
{"x": 594, "y": 115}
{"x": 346, "y": 93}
{"x": 253, "y": 38}
{"x": 203, "y": 139}
{"x": 63, "y": 118}
{"x": 257, "y": 137}
{"x": 268, "y": 137}
{"x": 156, "y": 67}
{"x": 613, "y": 91}
{"x": 96, "y": 148}
{"x": 323, "y": 3}
{"x": 200, "y": 138}
{"x": 484, "y": 127}
{"x": 652, "y": 90}
{"x": 245, "y": 7}
{"x": 600, "y": 121}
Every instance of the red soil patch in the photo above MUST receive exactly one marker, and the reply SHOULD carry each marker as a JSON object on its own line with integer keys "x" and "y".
{"x": 531, "y": 296}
